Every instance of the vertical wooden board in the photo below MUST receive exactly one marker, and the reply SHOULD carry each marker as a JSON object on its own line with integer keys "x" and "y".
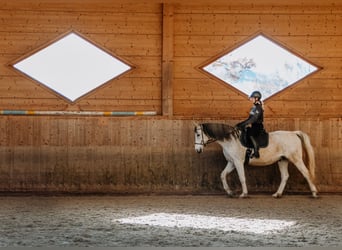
{"x": 114, "y": 162}
{"x": 26, "y": 168}
{"x": 169, "y": 159}
{"x": 89, "y": 165}
{"x": 120, "y": 167}
{"x": 89, "y": 131}
{"x": 59, "y": 172}
{"x": 45, "y": 131}
{"x": 17, "y": 170}
{"x": 125, "y": 133}
{"x": 113, "y": 127}
{"x": 335, "y": 127}
{"x": 128, "y": 165}
{"x": 143, "y": 165}
{"x": 76, "y": 132}
{"x": 95, "y": 166}
{"x": 17, "y": 131}
{"x": 139, "y": 130}
{"x": 195, "y": 161}
{"x": 315, "y": 132}
{"x": 326, "y": 133}
{"x": 161, "y": 162}
{"x": 101, "y": 133}
{"x": 182, "y": 133}
{"x": 73, "y": 162}
{"x": 325, "y": 165}
{"x": 81, "y": 163}
{"x": 154, "y": 170}
{"x": 159, "y": 134}
{"x": 167, "y": 59}
{"x": 157, "y": 137}
{"x": 6, "y": 163}
{"x": 180, "y": 166}
{"x": 32, "y": 158}
{"x": 336, "y": 170}
{"x": 4, "y": 131}
{"x": 58, "y": 131}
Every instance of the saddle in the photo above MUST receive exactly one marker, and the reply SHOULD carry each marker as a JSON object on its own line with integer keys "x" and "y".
{"x": 261, "y": 139}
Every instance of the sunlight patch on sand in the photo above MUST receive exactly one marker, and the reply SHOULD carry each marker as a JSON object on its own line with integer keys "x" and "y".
{"x": 257, "y": 226}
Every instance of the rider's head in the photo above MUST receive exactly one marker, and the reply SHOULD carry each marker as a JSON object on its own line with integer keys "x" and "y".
{"x": 256, "y": 95}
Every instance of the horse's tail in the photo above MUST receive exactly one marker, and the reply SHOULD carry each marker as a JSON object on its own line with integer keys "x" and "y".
{"x": 309, "y": 152}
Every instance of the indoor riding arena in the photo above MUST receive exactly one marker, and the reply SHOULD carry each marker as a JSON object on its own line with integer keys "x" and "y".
{"x": 102, "y": 113}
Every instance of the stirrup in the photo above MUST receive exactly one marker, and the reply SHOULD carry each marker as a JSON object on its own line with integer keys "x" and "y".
{"x": 248, "y": 155}
{"x": 255, "y": 147}
{"x": 255, "y": 154}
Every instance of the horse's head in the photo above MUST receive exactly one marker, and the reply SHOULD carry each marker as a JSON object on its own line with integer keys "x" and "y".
{"x": 207, "y": 133}
{"x": 201, "y": 138}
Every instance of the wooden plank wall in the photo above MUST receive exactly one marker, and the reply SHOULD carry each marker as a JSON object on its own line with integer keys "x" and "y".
{"x": 165, "y": 40}
{"x": 311, "y": 29}
{"x": 110, "y": 155}
{"x": 130, "y": 31}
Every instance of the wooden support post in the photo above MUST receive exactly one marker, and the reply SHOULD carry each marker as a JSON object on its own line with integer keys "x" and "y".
{"x": 167, "y": 60}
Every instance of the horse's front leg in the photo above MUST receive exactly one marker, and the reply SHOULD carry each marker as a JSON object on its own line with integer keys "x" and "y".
{"x": 226, "y": 171}
{"x": 241, "y": 172}
{"x": 284, "y": 173}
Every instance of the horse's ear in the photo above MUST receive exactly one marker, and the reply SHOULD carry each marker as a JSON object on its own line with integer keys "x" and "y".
{"x": 195, "y": 123}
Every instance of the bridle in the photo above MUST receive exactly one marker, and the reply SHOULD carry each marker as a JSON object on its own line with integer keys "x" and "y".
{"x": 210, "y": 140}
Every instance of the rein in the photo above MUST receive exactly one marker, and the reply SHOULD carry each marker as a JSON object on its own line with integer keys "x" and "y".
{"x": 210, "y": 140}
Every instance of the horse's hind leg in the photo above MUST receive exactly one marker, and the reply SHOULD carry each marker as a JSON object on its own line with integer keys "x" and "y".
{"x": 284, "y": 173}
{"x": 229, "y": 168}
{"x": 241, "y": 172}
{"x": 302, "y": 168}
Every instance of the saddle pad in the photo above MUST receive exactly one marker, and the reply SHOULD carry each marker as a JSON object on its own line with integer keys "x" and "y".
{"x": 262, "y": 139}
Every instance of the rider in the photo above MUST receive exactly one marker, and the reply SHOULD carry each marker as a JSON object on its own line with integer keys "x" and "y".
{"x": 254, "y": 123}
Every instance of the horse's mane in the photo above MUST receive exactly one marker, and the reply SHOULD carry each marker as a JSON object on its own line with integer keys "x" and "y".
{"x": 220, "y": 131}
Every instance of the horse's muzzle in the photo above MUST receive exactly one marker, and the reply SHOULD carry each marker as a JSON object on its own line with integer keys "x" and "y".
{"x": 199, "y": 150}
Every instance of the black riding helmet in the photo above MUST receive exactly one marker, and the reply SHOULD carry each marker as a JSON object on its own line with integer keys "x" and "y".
{"x": 256, "y": 94}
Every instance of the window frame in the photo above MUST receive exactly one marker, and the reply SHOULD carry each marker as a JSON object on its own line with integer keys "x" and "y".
{"x": 56, "y": 39}
{"x": 228, "y": 50}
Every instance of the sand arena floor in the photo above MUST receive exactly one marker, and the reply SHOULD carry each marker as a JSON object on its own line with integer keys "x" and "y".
{"x": 145, "y": 221}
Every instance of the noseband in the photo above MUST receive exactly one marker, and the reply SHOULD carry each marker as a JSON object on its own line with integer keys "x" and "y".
{"x": 210, "y": 140}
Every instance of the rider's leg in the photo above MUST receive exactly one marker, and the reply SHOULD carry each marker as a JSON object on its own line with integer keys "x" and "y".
{"x": 256, "y": 147}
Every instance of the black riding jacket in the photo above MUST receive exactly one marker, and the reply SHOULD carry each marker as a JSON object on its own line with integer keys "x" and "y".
{"x": 255, "y": 118}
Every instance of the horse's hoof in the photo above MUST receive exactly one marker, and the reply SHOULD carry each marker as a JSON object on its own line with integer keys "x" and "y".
{"x": 277, "y": 195}
{"x": 314, "y": 195}
{"x": 242, "y": 196}
{"x": 230, "y": 194}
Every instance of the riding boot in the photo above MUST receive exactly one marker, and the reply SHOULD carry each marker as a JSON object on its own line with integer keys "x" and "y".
{"x": 247, "y": 156}
{"x": 256, "y": 147}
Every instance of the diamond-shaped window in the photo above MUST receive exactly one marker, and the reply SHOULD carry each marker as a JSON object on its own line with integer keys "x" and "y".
{"x": 260, "y": 64}
{"x": 72, "y": 66}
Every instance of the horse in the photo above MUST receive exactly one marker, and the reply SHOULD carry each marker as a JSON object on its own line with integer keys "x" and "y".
{"x": 283, "y": 147}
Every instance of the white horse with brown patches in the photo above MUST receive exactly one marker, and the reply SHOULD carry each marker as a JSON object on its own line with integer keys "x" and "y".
{"x": 284, "y": 146}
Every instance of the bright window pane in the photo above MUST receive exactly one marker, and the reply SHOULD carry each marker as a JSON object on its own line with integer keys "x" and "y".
{"x": 72, "y": 66}
{"x": 262, "y": 65}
